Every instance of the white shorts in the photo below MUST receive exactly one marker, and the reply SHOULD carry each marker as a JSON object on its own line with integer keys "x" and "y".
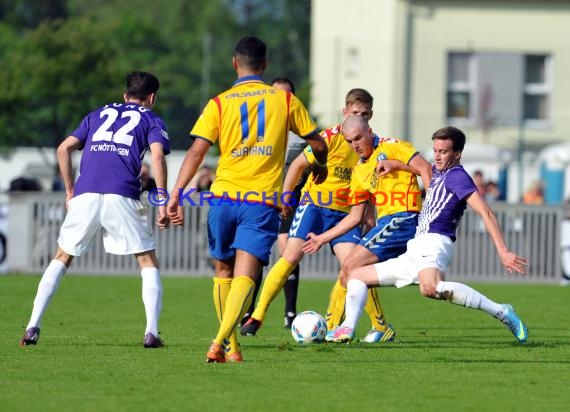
{"x": 429, "y": 250}
{"x": 124, "y": 222}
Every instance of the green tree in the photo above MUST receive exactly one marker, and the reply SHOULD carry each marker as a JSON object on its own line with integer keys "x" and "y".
{"x": 68, "y": 57}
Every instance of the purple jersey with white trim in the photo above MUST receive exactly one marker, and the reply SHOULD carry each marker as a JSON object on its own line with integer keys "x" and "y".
{"x": 115, "y": 138}
{"x": 445, "y": 201}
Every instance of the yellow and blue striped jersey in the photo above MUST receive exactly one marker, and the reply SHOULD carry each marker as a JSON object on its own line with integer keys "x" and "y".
{"x": 397, "y": 191}
{"x": 251, "y": 122}
{"x": 340, "y": 161}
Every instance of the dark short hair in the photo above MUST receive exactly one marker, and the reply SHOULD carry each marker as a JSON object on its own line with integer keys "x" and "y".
{"x": 285, "y": 80}
{"x": 251, "y": 52}
{"x": 451, "y": 133}
{"x": 359, "y": 96}
{"x": 141, "y": 84}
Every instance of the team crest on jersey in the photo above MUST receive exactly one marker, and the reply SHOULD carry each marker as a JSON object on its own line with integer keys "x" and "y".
{"x": 382, "y": 156}
{"x": 373, "y": 181}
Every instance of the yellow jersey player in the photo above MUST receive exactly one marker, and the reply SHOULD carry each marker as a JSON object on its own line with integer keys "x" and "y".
{"x": 321, "y": 208}
{"x": 386, "y": 179}
{"x": 250, "y": 122}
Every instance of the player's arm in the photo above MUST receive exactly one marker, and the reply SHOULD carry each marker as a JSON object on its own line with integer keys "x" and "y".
{"x": 64, "y": 150}
{"x": 294, "y": 173}
{"x": 369, "y": 219}
{"x": 421, "y": 167}
{"x": 159, "y": 171}
{"x": 350, "y": 221}
{"x": 511, "y": 261}
{"x": 320, "y": 150}
{"x": 192, "y": 161}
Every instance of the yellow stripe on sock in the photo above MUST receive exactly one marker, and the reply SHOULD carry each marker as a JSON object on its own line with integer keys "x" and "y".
{"x": 374, "y": 310}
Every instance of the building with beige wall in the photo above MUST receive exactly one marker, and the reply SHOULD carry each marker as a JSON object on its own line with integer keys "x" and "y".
{"x": 495, "y": 68}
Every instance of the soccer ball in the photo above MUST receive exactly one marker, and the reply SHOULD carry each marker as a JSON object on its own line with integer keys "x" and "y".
{"x": 309, "y": 327}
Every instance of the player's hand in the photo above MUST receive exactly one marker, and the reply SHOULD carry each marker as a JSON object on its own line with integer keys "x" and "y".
{"x": 514, "y": 263}
{"x": 313, "y": 244}
{"x": 68, "y": 197}
{"x": 383, "y": 167}
{"x": 319, "y": 173}
{"x": 162, "y": 219}
{"x": 175, "y": 212}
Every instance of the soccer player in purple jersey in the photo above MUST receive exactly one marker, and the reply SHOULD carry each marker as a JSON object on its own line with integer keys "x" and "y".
{"x": 429, "y": 253}
{"x": 106, "y": 195}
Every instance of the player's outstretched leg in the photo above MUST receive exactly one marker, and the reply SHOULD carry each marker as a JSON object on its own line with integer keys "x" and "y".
{"x": 463, "y": 295}
{"x": 514, "y": 323}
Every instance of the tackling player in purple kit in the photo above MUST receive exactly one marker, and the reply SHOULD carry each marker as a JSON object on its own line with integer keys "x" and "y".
{"x": 106, "y": 196}
{"x": 429, "y": 253}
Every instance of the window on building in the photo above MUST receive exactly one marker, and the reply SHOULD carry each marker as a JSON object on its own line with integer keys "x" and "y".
{"x": 459, "y": 85}
{"x": 498, "y": 89}
{"x": 353, "y": 69}
{"x": 537, "y": 87}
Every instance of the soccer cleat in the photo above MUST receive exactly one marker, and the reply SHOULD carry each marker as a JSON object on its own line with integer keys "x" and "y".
{"x": 250, "y": 327}
{"x": 31, "y": 336}
{"x": 375, "y": 335}
{"x": 343, "y": 334}
{"x": 330, "y": 334}
{"x": 151, "y": 341}
{"x": 244, "y": 320}
{"x": 234, "y": 357}
{"x": 288, "y": 320}
{"x": 215, "y": 354}
{"x": 515, "y": 324}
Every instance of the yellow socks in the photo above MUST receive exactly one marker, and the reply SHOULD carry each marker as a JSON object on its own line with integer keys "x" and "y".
{"x": 238, "y": 298}
{"x": 374, "y": 310}
{"x": 272, "y": 285}
{"x": 335, "y": 310}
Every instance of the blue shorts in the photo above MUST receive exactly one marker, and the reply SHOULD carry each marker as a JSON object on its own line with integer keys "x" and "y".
{"x": 389, "y": 238}
{"x": 245, "y": 226}
{"x": 310, "y": 218}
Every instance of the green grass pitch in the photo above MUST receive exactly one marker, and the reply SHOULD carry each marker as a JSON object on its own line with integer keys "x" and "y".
{"x": 90, "y": 355}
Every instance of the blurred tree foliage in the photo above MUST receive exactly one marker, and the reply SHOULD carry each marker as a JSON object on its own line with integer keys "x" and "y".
{"x": 64, "y": 58}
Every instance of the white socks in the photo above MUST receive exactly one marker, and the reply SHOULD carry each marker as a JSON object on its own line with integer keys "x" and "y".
{"x": 152, "y": 298}
{"x": 46, "y": 289}
{"x": 356, "y": 296}
{"x": 463, "y": 295}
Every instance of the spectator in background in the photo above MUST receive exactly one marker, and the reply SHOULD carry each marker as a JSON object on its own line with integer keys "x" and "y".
{"x": 57, "y": 184}
{"x": 479, "y": 182}
{"x": 25, "y": 184}
{"x": 492, "y": 192}
{"x": 535, "y": 194}
{"x": 147, "y": 181}
{"x": 203, "y": 179}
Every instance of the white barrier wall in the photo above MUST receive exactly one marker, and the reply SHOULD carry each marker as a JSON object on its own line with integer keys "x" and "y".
{"x": 35, "y": 218}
